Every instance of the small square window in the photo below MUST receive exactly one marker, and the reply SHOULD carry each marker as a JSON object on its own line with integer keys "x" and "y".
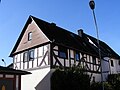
{"x": 29, "y": 36}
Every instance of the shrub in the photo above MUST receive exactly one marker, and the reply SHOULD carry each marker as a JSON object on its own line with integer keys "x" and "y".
{"x": 98, "y": 86}
{"x": 70, "y": 79}
{"x": 114, "y": 80}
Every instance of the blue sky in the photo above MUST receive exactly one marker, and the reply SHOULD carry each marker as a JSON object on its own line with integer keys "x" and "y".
{"x": 69, "y": 14}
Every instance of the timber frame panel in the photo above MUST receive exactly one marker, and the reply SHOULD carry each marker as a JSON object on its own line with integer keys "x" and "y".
{"x": 51, "y": 57}
{"x": 85, "y": 60}
{"x": 40, "y": 58}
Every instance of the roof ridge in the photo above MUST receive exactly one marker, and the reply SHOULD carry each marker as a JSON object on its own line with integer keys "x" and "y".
{"x": 51, "y": 24}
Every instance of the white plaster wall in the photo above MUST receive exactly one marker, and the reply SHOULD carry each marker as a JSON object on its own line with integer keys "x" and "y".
{"x": 38, "y": 80}
{"x": 97, "y": 77}
{"x": 105, "y": 68}
{"x": 105, "y": 65}
{"x": 114, "y": 69}
{"x": 118, "y": 66}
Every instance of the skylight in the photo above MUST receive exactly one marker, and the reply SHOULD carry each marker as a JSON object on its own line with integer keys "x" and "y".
{"x": 90, "y": 41}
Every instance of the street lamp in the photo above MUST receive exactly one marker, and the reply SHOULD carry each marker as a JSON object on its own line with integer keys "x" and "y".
{"x": 92, "y": 6}
{"x": 4, "y": 62}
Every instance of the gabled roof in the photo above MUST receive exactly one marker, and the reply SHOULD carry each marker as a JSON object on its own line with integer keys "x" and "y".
{"x": 57, "y": 35}
{"x": 10, "y": 65}
{"x": 66, "y": 38}
{"x": 6, "y": 70}
{"x": 20, "y": 37}
{"x": 63, "y": 37}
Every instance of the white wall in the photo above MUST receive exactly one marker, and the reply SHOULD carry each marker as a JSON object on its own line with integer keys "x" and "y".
{"x": 38, "y": 80}
{"x": 97, "y": 77}
{"x": 116, "y": 68}
{"x": 105, "y": 67}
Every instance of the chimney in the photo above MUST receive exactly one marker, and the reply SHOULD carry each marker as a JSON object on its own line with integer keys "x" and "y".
{"x": 80, "y": 32}
{"x": 53, "y": 24}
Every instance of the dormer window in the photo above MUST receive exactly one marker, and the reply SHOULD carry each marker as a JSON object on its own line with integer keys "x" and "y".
{"x": 29, "y": 36}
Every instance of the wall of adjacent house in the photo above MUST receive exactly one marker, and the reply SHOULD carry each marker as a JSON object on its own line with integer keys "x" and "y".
{"x": 105, "y": 67}
{"x": 38, "y": 80}
{"x": 10, "y": 82}
{"x": 112, "y": 65}
{"x": 116, "y": 67}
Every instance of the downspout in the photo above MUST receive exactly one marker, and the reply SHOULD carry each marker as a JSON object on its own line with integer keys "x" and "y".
{"x": 109, "y": 65}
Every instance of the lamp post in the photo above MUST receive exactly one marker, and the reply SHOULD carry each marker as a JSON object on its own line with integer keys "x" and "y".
{"x": 92, "y": 6}
{"x": 4, "y": 62}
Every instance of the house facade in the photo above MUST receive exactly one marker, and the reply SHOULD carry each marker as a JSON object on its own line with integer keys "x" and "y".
{"x": 42, "y": 47}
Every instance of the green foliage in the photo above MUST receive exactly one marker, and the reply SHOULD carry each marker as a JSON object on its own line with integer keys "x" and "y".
{"x": 70, "y": 79}
{"x": 114, "y": 80}
{"x": 98, "y": 86}
{"x": 76, "y": 79}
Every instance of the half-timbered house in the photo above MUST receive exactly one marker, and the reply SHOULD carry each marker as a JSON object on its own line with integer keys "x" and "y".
{"x": 43, "y": 46}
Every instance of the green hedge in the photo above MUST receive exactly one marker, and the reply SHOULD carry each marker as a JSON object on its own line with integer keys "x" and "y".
{"x": 98, "y": 86}
{"x": 114, "y": 80}
{"x": 70, "y": 79}
{"x": 76, "y": 79}
{"x": 112, "y": 83}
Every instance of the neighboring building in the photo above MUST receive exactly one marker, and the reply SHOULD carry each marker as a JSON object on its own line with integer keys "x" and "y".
{"x": 10, "y": 65}
{"x": 10, "y": 79}
{"x": 43, "y": 46}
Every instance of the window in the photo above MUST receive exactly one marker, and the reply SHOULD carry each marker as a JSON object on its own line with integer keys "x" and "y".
{"x": 29, "y": 36}
{"x": 62, "y": 52}
{"x": 112, "y": 64}
{"x": 119, "y": 62}
{"x": 28, "y": 55}
{"x": 31, "y": 55}
{"x": 94, "y": 60}
{"x": 25, "y": 56}
{"x": 77, "y": 56}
